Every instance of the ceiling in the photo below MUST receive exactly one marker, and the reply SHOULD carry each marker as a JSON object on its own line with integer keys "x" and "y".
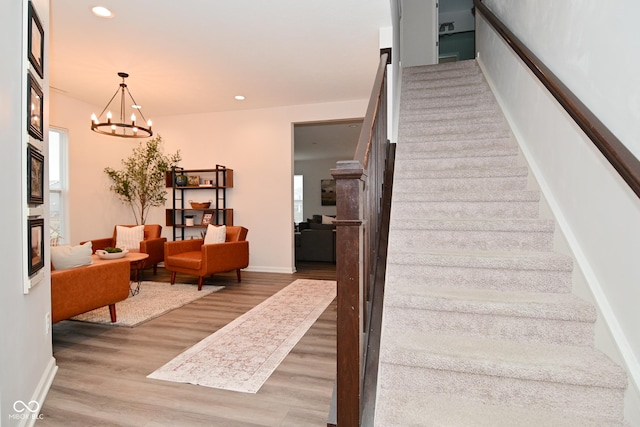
{"x": 194, "y": 56}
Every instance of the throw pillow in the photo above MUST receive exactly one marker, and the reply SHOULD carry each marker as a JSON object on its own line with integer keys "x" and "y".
{"x": 129, "y": 237}
{"x": 327, "y": 219}
{"x": 66, "y": 256}
{"x": 215, "y": 234}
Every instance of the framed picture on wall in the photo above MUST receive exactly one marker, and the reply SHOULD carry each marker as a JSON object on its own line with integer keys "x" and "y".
{"x": 36, "y": 41}
{"x": 35, "y": 246}
{"x": 35, "y": 176}
{"x": 34, "y": 108}
{"x": 328, "y": 192}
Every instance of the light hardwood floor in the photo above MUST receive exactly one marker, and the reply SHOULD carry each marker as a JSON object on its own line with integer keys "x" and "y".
{"x": 102, "y": 381}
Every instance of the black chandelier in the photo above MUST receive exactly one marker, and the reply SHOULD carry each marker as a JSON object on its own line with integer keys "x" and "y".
{"x": 122, "y": 129}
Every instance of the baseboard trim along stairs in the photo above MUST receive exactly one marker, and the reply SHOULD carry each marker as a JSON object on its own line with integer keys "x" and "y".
{"x": 480, "y": 327}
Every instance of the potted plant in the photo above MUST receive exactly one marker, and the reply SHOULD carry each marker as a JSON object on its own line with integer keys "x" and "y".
{"x": 141, "y": 182}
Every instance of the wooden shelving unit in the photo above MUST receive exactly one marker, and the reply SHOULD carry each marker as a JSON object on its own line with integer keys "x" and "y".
{"x": 211, "y": 186}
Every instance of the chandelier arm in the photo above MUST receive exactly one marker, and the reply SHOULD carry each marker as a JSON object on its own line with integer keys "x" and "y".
{"x": 109, "y": 103}
{"x": 122, "y": 88}
{"x": 144, "y": 120}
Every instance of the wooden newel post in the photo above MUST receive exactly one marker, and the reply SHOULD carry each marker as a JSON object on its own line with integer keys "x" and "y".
{"x": 349, "y": 176}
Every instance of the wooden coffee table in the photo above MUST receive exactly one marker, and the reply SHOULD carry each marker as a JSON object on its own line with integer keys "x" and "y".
{"x": 136, "y": 261}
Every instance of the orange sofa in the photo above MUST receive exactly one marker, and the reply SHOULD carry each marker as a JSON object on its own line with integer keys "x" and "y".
{"x": 80, "y": 289}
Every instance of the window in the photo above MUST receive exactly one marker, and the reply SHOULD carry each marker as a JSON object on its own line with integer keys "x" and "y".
{"x": 57, "y": 185}
{"x": 298, "y": 193}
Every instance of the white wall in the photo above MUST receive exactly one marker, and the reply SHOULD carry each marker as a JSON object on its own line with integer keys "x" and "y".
{"x": 314, "y": 171}
{"x": 598, "y": 213}
{"x": 26, "y": 363}
{"x": 256, "y": 144}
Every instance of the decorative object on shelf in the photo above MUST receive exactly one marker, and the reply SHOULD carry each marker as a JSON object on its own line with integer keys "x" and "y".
{"x": 104, "y": 254}
{"x": 35, "y": 245}
{"x": 189, "y": 221}
{"x": 141, "y": 183}
{"x": 207, "y": 218}
{"x": 328, "y": 189}
{"x": 181, "y": 180}
{"x": 36, "y": 41}
{"x": 194, "y": 180}
{"x": 200, "y": 205}
{"x": 35, "y": 176}
{"x": 35, "y": 102}
{"x": 133, "y": 129}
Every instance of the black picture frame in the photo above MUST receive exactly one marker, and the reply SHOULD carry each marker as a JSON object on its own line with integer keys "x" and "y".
{"x": 328, "y": 192}
{"x": 35, "y": 176}
{"x": 35, "y": 101}
{"x": 36, "y": 41}
{"x": 35, "y": 246}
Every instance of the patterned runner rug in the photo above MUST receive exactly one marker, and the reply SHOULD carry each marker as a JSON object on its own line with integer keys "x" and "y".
{"x": 242, "y": 355}
{"x": 154, "y": 300}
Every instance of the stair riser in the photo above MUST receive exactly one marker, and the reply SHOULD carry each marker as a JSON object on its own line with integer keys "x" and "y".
{"x": 501, "y": 327}
{"x": 417, "y": 240}
{"x": 447, "y": 130}
{"x": 428, "y": 119}
{"x": 402, "y": 275}
{"x": 410, "y": 149}
{"x": 431, "y": 84}
{"x": 458, "y": 163}
{"x": 422, "y": 101}
{"x": 410, "y": 184}
{"x": 562, "y": 397}
{"x": 461, "y": 89}
{"x": 412, "y": 210}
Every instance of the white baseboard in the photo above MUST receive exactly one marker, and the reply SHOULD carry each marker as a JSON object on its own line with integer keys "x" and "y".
{"x": 40, "y": 393}
{"x": 264, "y": 269}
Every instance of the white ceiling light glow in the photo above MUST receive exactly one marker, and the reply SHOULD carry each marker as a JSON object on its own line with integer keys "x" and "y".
{"x": 239, "y": 97}
{"x": 102, "y": 12}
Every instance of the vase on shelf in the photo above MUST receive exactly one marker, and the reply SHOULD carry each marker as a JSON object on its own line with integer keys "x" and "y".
{"x": 181, "y": 180}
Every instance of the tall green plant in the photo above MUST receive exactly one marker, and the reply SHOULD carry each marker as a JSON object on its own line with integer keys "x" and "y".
{"x": 141, "y": 182}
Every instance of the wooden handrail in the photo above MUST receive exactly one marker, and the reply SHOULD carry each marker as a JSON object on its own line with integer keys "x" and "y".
{"x": 367, "y": 131}
{"x": 622, "y": 160}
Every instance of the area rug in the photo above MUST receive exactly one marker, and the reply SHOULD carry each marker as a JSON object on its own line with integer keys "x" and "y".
{"x": 154, "y": 300}
{"x": 242, "y": 355}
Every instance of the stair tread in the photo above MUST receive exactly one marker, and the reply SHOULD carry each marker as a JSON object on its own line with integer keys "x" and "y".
{"x": 464, "y": 153}
{"x": 559, "y": 306}
{"x": 478, "y": 356}
{"x": 440, "y": 196}
{"x": 471, "y": 224}
{"x": 507, "y": 172}
{"x": 398, "y": 408}
{"x": 522, "y": 260}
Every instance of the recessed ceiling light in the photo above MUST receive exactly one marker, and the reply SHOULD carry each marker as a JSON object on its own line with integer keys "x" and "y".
{"x": 239, "y": 97}
{"x": 102, "y": 12}
{"x": 137, "y": 107}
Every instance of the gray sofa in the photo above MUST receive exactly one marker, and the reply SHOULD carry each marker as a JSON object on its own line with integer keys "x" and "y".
{"x": 316, "y": 242}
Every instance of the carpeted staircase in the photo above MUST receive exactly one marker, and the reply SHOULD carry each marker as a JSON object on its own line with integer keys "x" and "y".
{"x": 480, "y": 327}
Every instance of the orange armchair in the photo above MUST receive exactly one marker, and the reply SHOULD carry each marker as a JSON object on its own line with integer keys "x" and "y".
{"x": 196, "y": 258}
{"x": 152, "y": 244}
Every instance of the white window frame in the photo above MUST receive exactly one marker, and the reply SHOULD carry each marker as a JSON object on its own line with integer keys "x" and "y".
{"x": 60, "y": 190}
